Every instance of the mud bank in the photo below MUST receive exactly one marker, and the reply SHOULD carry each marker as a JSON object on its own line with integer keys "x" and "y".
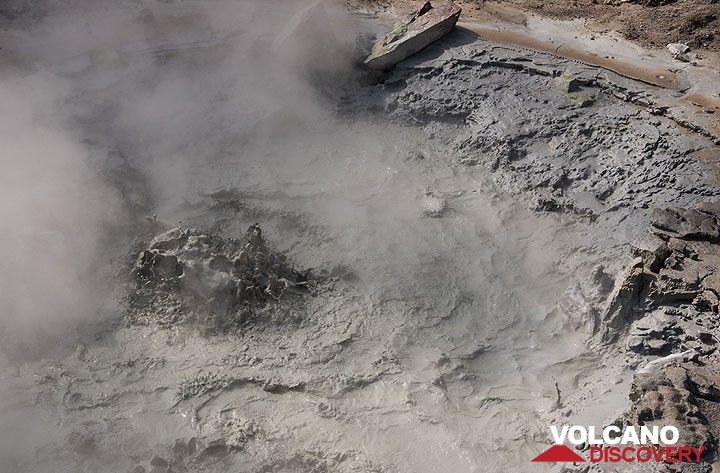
{"x": 551, "y": 145}
{"x": 417, "y": 272}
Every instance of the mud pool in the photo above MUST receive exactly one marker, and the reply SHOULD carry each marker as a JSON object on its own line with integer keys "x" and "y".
{"x": 463, "y": 219}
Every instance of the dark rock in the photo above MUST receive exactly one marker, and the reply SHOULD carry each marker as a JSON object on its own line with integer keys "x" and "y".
{"x": 706, "y": 301}
{"x": 688, "y": 224}
{"x": 153, "y": 264}
{"x": 655, "y": 336}
{"x": 703, "y": 383}
{"x": 652, "y": 250}
{"x": 603, "y": 280}
{"x": 158, "y": 461}
{"x": 221, "y": 263}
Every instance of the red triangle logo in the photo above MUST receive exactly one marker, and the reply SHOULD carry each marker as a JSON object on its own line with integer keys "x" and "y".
{"x": 559, "y": 453}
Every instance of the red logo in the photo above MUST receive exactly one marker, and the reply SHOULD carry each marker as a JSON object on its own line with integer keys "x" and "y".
{"x": 559, "y": 453}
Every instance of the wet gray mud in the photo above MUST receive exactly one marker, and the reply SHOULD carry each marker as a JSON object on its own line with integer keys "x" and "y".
{"x": 418, "y": 277}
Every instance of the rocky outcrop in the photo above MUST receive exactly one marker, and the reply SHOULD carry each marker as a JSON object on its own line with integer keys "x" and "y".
{"x": 669, "y": 300}
{"x": 425, "y": 26}
{"x": 668, "y": 296}
{"x": 625, "y": 301}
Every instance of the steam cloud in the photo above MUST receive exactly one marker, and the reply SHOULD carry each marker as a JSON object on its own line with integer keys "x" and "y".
{"x": 108, "y": 107}
{"x": 54, "y": 207}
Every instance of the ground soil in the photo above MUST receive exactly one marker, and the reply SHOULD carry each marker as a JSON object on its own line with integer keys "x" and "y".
{"x": 649, "y": 22}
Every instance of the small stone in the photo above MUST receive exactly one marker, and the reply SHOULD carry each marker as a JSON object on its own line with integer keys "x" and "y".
{"x": 679, "y": 51}
{"x": 652, "y": 250}
{"x": 565, "y": 83}
{"x": 432, "y": 206}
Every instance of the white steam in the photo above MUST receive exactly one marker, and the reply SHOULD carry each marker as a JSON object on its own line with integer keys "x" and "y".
{"x": 168, "y": 87}
{"x": 53, "y": 207}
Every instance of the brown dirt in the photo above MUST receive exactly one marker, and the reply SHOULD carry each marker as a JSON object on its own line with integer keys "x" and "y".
{"x": 656, "y": 76}
{"x": 649, "y": 22}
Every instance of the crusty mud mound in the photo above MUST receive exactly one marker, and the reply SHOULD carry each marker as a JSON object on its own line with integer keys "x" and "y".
{"x": 678, "y": 395}
{"x": 186, "y": 275}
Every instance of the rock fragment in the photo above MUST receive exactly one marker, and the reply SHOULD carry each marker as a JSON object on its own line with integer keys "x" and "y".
{"x": 565, "y": 83}
{"x": 569, "y": 86}
{"x": 679, "y": 51}
{"x": 425, "y": 26}
{"x": 432, "y": 206}
{"x": 653, "y": 251}
{"x": 624, "y": 301}
{"x": 691, "y": 224}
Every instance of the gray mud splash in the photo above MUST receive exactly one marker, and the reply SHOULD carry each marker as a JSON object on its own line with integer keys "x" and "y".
{"x": 468, "y": 222}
